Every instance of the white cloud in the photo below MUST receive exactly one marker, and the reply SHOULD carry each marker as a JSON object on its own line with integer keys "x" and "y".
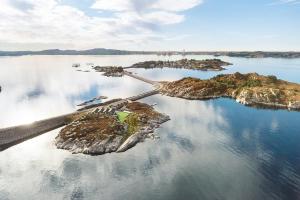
{"x": 47, "y": 23}
{"x": 141, "y": 5}
{"x": 181, "y": 5}
{"x": 116, "y": 5}
{"x": 290, "y": 2}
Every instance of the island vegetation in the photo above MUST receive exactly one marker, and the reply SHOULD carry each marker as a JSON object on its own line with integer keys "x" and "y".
{"x": 250, "y": 89}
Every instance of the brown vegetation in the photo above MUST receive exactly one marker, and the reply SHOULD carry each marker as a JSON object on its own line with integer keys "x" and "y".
{"x": 250, "y": 89}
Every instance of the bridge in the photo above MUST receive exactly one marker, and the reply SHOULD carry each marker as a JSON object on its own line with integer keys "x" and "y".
{"x": 17, "y": 134}
{"x": 140, "y": 78}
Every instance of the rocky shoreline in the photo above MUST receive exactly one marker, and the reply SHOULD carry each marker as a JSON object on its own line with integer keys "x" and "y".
{"x": 249, "y": 89}
{"x": 201, "y": 65}
{"x": 102, "y": 131}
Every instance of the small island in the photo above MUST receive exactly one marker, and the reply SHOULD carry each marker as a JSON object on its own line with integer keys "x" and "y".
{"x": 110, "y": 71}
{"x": 249, "y": 89}
{"x": 201, "y": 65}
{"x": 114, "y": 128}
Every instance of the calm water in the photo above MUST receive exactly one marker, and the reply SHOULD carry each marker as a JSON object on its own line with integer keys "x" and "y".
{"x": 214, "y": 149}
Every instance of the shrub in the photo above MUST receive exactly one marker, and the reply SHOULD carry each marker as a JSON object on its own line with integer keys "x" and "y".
{"x": 132, "y": 121}
{"x": 272, "y": 79}
{"x": 252, "y": 83}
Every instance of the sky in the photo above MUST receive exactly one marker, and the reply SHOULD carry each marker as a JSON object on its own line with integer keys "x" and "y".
{"x": 197, "y": 25}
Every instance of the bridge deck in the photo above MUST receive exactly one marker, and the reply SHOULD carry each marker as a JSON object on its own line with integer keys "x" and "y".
{"x": 17, "y": 134}
{"x": 140, "y": 78}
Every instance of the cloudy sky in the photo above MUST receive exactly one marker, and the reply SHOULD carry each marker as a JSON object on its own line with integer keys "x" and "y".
{"x": 150, "y": 24}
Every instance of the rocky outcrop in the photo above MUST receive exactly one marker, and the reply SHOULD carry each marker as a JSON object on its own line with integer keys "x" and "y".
{"x": 143, "y": 133}
{"x": 202, "y": 65}
{"x": 101, "y": 131}
{"x": 249, "y": 89}
{"x": 92, "y": 100}
{"x": 110, "y": 71}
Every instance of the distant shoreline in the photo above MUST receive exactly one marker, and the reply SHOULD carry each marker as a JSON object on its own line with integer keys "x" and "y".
{"x": 102, "y": 51}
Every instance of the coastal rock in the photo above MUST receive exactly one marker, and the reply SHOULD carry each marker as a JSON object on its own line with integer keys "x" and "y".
{"x": 295, "y": 105}
{"x": 143, "y": 133}
{"x": 131, "y": 142}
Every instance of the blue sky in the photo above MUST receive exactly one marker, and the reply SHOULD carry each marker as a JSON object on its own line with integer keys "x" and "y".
{"x": 272, "y": 25}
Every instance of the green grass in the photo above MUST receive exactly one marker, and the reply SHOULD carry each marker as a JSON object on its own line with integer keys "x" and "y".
{"x": 122, "y": 116}
{"x": 133, "y": 125}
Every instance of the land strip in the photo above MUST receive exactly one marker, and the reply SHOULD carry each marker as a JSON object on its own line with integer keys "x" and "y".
{"x": 101, "y": 51}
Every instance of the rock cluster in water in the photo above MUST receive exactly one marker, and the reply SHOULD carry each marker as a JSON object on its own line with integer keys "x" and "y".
{"x": 202, "y": 65}
{"x": 92, "y": 100}
{"x": 249, "y": 89}
{"x": 110, "y": 71}
{"x": 101, "y": 131}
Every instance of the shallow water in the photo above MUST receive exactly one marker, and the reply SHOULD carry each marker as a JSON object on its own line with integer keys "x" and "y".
{"x": 215, "y": 149}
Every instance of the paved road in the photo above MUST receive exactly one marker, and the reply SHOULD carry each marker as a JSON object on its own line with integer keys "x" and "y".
{"x": 140, "y": 78}
{"x": 17, "y": 134}
{"x": 143, "y": 95}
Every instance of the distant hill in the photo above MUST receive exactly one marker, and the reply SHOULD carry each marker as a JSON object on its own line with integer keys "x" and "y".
{"x": 102, "y": 51}
{"x": 98, "y": 51}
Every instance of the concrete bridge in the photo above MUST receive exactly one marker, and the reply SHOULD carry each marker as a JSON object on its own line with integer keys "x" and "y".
{"x": 140, "y": 78}
{"x": 17, "y": 134}
{"x": 143, "y": 95}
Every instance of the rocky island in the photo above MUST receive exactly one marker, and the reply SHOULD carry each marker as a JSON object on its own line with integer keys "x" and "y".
{"x": 110, "y": 71}
{"x": 202, "y": 65}
{"x": 249, "y": 89}
{"x": 110, "y": 129}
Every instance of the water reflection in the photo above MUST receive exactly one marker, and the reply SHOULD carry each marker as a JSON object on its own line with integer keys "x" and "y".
{"x": 44, "y": 88}
{"x": 215, "y": 149}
